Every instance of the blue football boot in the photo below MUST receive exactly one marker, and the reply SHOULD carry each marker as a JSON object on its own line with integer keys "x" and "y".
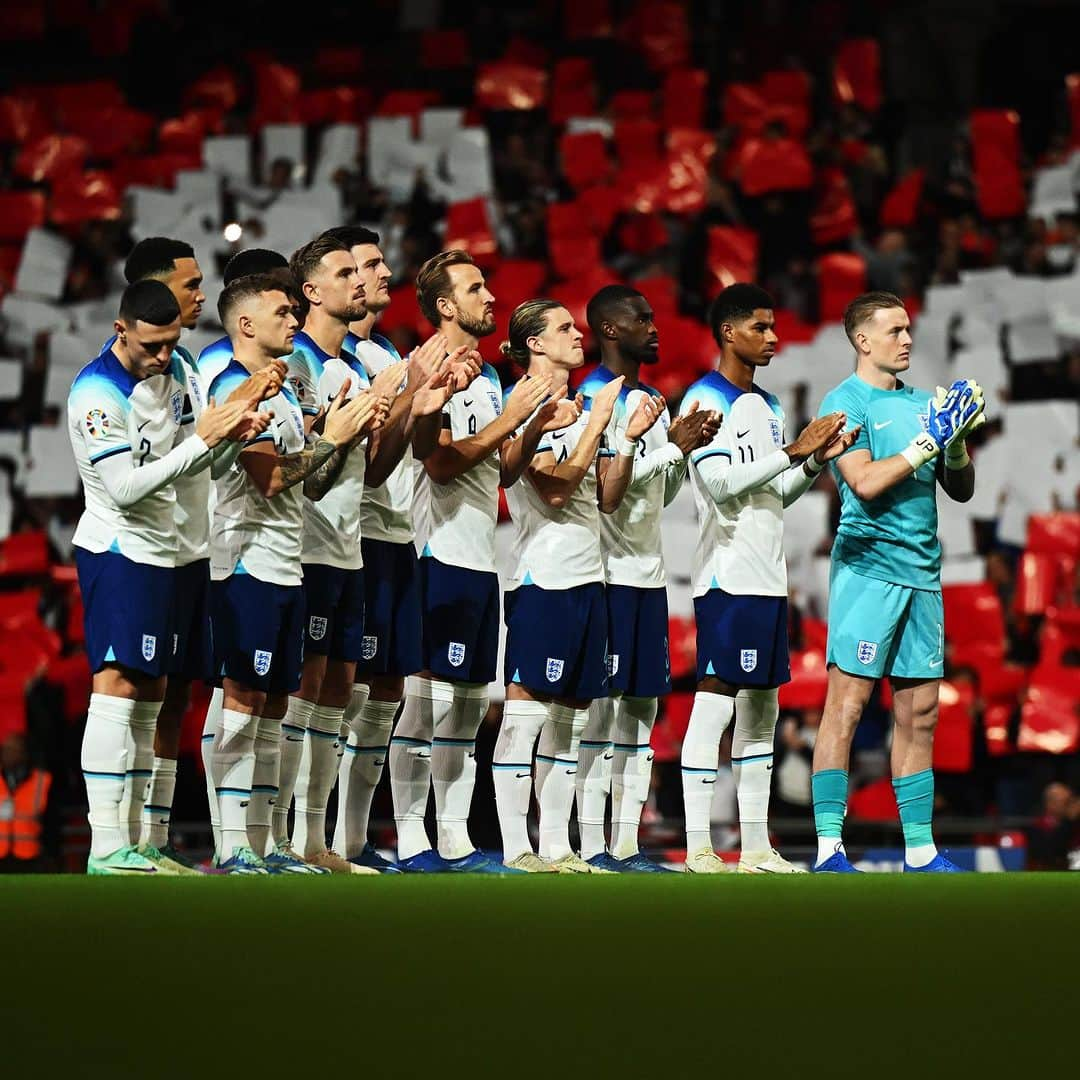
{"x": 639, "y": 864}
{"x": 604, "y": 861}
{"x": 370, "y": 857}
{"x": 837, "y": 863}
{"x": 937, "y": 865}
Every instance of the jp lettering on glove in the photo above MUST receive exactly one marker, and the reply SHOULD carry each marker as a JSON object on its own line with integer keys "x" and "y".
{"x": 951, "y": 416}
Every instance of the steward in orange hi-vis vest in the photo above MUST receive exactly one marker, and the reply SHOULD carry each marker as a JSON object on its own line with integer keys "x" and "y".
{"x": 21, "y": 810}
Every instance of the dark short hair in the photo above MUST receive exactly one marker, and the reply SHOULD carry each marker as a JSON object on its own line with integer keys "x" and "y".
{"x": 735, "y": 303}
{"x": 155, "y": 257}
{"x": 606, "y": 302}
{"x": 252, "y": 261}
{"x": 433, "y": 281}
{"x": 245, "y": 287}
{"x": 353, "y": 235}
{"x": 305, "y": 260}
{"x": 863, "y": 307}
{"x": 149, "y": 301}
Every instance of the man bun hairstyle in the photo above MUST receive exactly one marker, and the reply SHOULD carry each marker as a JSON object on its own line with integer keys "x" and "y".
{"x": 149, "y": 301}
{"x": 155, "y": 257}
{"x": 863, "y": 307}
{"x": 529, "y": 320}
{"x": 735, "y": 303}
{"x": 433, "y": 282}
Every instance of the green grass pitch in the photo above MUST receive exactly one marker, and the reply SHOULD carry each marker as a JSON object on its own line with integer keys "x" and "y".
{"x": 541, "y": 976}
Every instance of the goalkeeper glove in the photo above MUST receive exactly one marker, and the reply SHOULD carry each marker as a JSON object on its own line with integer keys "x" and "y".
{"x": 951, "y": 416}
{"x": 956, "y": 455}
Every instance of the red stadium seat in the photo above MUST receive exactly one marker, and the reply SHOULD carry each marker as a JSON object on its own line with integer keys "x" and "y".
{"x": 874, "y": 802}
{"x": 404, "y": 313}
{"x": 771, "y": 164}
{"x": 809, "y": 681}
{"x": 731, "y": 256}
{"x": 218, "y": 88}
{"x": 744, "y": 106}
{"x": 573, "y": 248}
{"x": 584, "y": 158}
{"x": 407, "y": 103}
{"x": 787, "y": 99}
{"x": 662, "y": 292}
{"x": 99, "y": 93}
{"x": 637, "y": 141}
{"x": 513, "y": 281}
{"x": 857, "y": 74}
{"x": 841, "y": 277}
{"x": 642, "y": 234}
{"x": 791, "y": 330}
{"x": 51, "y": 156}
{"x": 1050, "y": 715}
{"x": 509, "y": 85}
{"x": 10, "y": 257}
{"x": 973, "y": 614}
{"x": 682, "y": 644}
{"x": 1060, "y": 635}
{"x": 12, "y": 702}
{"x": 156, "y": 170}
{"x": 631, "y": 105}
{"x": 1055, "y": 534}
{"x": 21, "y": 119}
{"x": 468, "y": 228}
{"x": 900, "y": 208}
{"x": 573, "y": 90}
{"x": 661, "y": 32}
{"x": 997, "y": 718}
{"x": 683, "y": 98}
{"x": 815, "y": 633}
{"x": 277, "y": 95}
{"x": 72, "y": 674}
{"x": 953, "y": 751}
{"x": 111, "y": 130}
{"x": 670, "y": 728}
{"x": 20, "y": 211}
{"x": 1036, "y": 583}
{"x": 599, "y": 207}
{"x": 834, "y": 218}
{"x": 82, "y": 197}
{"x": 995, "y": 153}
{"x": 24, "y": 554}
{"x": 445, "y": 50}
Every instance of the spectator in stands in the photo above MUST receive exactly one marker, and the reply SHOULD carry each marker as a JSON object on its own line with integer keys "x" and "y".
{"x": 24, "y": 797}
{"x": 1054, "y": 840}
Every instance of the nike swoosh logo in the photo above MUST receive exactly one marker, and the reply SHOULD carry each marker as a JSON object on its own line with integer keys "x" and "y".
{"x": 709, "y": 781}
{"x": 242, "y": 805}
{"x": 379, "y": 763}
{"x": 608, "y": 757}
{"x": 768, "y": 768}
{"x": 293, "y": 738}
{"x": 742, "y": 434}
{"x": 142, "y": 425}
{"x": 883, "y": 424}
{"x": 521, "y": 775}
{"x": 558, "y": 434}
{"x": 141, "y": 869}
{"x": 467, "y": 404}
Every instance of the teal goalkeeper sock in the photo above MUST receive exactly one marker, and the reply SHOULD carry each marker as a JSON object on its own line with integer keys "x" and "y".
{"x": 830, "y": 787}
{"x": 915, "y": 799}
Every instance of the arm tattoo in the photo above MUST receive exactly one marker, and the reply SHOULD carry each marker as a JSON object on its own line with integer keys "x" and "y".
{"x": 297, "y": 467}
{"x": 323, "y": 477}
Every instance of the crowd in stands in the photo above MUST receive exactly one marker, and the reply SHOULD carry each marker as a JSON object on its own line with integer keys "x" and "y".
{"x": 817, "y": 149}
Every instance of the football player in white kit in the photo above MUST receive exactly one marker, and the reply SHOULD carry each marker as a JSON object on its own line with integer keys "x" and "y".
{"x": 391, "y": 644}
{"x": 742, "y": 481}
{"x": 124, "y": 411}
{"x": 556, "y": 617}
{"x": 256, "y": 551}
{"x": 615, "y": 753}
{"x": 456, "y": 512}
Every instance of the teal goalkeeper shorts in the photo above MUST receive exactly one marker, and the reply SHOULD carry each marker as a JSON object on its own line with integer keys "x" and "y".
{"x": 877, "y": 628}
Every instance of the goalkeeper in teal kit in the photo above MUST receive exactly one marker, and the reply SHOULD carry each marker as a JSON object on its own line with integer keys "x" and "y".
{"x": 885, "y": 610}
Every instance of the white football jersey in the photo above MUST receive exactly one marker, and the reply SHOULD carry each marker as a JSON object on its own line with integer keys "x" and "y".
{"x": 332, "y": 524}
{"x": 112, "y": 415}
{"x": 630, "y": 537}
{"x": 386, "y": 512}
{"x": 557, "y": 548}
{"x": 193, "y": 492}
{"x": 456, "y": 522}
{"x": 252, "y": 534}
{"x": 740, "y": 544}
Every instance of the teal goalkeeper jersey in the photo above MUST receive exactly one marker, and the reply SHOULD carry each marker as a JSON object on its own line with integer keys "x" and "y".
{"x": 893, "y": 537}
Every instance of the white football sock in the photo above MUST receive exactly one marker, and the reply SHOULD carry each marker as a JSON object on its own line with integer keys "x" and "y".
{"x": 211, "y": 726}
{"x": 233, "y": 769}
{"x": 756, "y": 712}
{"x": 427, "y": 703}
{"x": 556, "y": 769}
{"x": 140, "y": 766}
{"x": 158, "y": 808}
{"x": 593, "y": 779}
{"x": 453, "y": 768}
{"x": 360, "y": 769}
{"x": 631, "y": 771}
{"x": 709, "y": 718}
{"x": 293, "y": 733}
{"x": 315, "y": 781}
{"x": 827, "y": 846}
{"x": 512, "y": 772}
{"x": 264, "y": 783}
{"x": 104, "y": 765}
